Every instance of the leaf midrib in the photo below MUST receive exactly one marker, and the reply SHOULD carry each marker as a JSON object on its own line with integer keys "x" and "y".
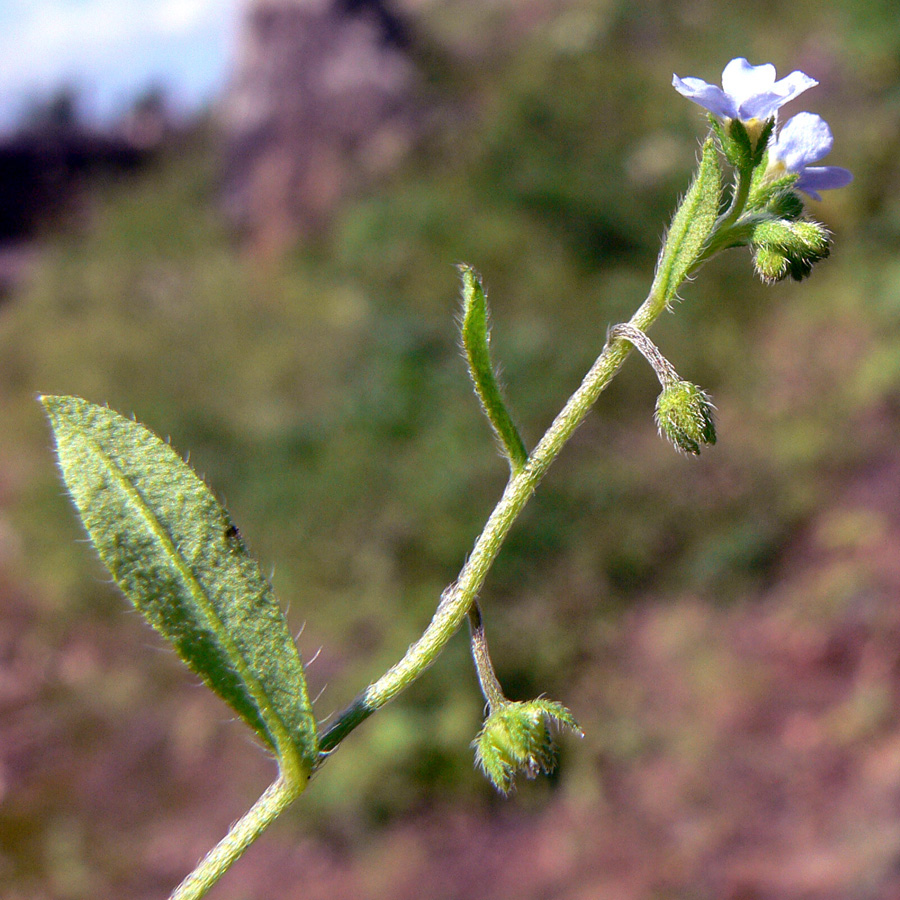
{"x": 278, "y": 731}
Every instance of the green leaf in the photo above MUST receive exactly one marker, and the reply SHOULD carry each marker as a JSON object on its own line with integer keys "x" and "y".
{"x": 477, "y": 342}
{"x": 174, "y": 551}
{"x": 691, "y": 226}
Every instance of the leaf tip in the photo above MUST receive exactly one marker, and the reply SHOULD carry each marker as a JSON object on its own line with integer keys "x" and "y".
{"x": 52, "y": 404}
{"x": 474, "y": 298}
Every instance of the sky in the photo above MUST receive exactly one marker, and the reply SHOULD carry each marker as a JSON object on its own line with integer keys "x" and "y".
{"x": 112, "y": 50}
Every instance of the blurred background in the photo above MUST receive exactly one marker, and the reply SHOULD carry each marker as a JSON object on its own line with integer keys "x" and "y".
{"x": 239, "y": 222}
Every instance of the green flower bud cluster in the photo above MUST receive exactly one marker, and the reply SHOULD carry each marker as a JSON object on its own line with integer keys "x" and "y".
{"x": 783, "y": 248}
{"x": 684, "y": 414}
{"x": 783, "y": 241}
{"x": 516, "y": 738}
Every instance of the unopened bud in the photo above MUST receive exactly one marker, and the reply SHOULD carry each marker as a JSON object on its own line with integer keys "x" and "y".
{"x": 784, "y": 247}
{"x": 516, "y": 738}
{"x": 784, "y": 202}
{"x": 684, "y": 414}
{"x": 812, "y": 238}
{"x": 771, "y": 265}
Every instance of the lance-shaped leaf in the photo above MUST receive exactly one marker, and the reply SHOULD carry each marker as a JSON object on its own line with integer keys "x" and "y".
{"x": 691, "y": 226}
{"x": 476, "y": 337}
{"x": 174, "y": 551}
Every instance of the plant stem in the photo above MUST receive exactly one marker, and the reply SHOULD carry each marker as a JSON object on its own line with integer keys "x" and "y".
{"x": 722, "y": 233}
{"x": 276, "y": 798}
{"x": 487, "y": 677}
{"x": 665, "y": 371}
{"x": 459, "y": 597}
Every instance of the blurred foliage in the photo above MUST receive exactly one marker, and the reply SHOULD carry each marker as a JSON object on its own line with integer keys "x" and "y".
{"x": 325, "y": 399}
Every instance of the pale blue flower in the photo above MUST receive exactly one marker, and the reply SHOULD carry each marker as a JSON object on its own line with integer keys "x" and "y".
{"x": 805, "y": 139}
{"x": 748, "y": 92}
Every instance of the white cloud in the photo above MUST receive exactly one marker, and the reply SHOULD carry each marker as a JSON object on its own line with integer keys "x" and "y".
{"x": 183, "y": 16}
{"x": 48, "y": 37}
{"x": 104, "y": 43}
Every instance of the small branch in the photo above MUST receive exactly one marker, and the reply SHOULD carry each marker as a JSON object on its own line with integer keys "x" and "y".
{"x": 665, "y": 371}
{"x": 487, "y": 677}
{"x": 456, "y": 600}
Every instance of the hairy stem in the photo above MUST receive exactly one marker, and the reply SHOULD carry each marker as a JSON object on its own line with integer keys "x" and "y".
{"x": 665, "y": 371}
{"x": 459, "y": 597}
{"x": 277, "y": 797}
{"x": 487, "y": 677}
{"x": 722, "y": 233}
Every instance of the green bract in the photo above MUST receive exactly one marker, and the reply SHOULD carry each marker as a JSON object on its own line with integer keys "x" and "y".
{"x": 476, "y": 337}
{"x": 691, "y": 227}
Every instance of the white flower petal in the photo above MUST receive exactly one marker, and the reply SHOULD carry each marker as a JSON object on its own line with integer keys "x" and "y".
{"x": 793, "y": 85}
{"x": 805, "y": 139}
{"x": 706, "y": 95}
{"x": 741, "y": 81}
{"x": 748, "y": 92}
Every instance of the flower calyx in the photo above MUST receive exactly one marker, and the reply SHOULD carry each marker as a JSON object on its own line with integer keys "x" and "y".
{"x": 684, "y": 415}
{"x": 743, "y": 144}
{"x": 516, "y": 738}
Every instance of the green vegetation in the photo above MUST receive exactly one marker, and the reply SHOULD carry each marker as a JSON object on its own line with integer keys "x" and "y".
{"x": 326, "y": 401}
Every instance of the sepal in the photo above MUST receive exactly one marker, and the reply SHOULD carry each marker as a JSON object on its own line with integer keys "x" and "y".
{"x": 516, "y": 739}
{"x": 762, "y": 142}
{"x": 739, "y": 146}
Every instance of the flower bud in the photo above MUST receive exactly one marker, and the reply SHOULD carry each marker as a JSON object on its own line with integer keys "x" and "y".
{"x": 784, "y": 247}
{"x": 812, "y": 238}
{"x": 785, "y": 203}
{"x": 771, "y": 265}
{"x": 684, "y": 414}
{"x": 800, "y": 238}
{"x": 516, "y": 738}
